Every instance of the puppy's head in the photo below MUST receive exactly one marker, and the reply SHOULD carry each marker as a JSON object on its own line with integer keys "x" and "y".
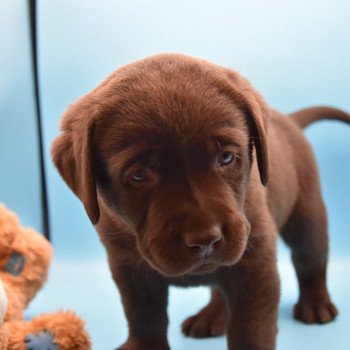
{"x": 167, "y": 143}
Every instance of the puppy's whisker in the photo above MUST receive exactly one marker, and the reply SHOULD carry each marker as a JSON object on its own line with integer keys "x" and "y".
{"x": 250, "y": 244}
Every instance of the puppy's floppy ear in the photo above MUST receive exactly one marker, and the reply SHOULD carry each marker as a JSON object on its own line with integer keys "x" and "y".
{"x": 253, "y": 105}
{"x": 73, "y": 156}
{"x": 258, "y": 112}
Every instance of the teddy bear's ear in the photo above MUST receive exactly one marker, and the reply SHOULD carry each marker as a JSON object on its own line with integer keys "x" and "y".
{"x": 72, "y": 154}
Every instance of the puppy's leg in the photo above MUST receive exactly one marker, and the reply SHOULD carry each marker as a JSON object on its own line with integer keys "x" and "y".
{"x": 252, "y": 290}
{"x": 145, "y": 297}
{"x": 306, "y": 234}
{"x": 211, "y": 320}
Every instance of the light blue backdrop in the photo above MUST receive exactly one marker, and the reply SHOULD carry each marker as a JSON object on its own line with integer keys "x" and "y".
{"x": 20, "y": 184}
{"x": 296, "y": 53}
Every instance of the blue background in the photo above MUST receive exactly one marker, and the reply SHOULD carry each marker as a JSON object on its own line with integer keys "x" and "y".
{"x": 296, "y": 53}
{"x": 19, "y": 148}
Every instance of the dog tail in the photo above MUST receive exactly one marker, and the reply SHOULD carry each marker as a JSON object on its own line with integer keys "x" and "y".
{"x": 307, "y": 116}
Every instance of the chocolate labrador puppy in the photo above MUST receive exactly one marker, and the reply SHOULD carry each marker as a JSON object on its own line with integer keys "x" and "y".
{"x": 188, "y": 176}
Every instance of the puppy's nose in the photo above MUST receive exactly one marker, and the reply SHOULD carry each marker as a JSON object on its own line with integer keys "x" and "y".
{"x": 203, "y": 243}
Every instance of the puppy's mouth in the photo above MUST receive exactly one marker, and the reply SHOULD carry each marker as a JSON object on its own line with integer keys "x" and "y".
{"x": 178, "y": 262}
{"x": 189, "y": 267}
{"x": 182, "y": 268}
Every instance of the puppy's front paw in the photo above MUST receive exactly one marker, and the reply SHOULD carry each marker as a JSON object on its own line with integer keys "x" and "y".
{"x": 315, "y": 311}
{"x": 207, "y": 323}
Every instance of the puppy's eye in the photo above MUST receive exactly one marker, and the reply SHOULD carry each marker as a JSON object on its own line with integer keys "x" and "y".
{"x": 226, "y": 158}
{"x": 139, "y": 175}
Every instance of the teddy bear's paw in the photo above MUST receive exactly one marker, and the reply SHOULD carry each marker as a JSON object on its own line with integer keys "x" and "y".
{"x": 40, "y": 341}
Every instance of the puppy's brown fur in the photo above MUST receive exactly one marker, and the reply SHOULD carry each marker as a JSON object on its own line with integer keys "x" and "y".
{"x": 170, "y": 156}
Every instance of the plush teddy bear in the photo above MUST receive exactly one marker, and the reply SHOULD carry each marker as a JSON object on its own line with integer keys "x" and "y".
{"x": 25, "y": 257}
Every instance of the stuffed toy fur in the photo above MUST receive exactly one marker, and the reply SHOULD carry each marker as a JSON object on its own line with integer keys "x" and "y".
{"x": 25, "y": 257}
